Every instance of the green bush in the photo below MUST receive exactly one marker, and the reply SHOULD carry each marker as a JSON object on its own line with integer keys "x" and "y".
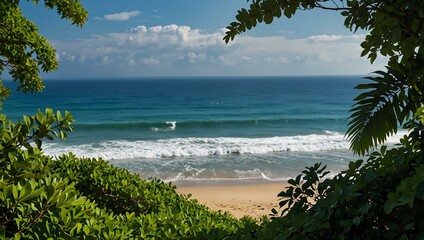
{"x": 73, "y": 198}
{"x": 159, "y": 211}
{"x": 381, "y": 198}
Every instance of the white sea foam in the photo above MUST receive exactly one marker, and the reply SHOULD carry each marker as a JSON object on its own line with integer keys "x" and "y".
{"x": 171, "y": 127}
{"x": 181, "y": 147}
{"x": 200, "y": 146}
{"x": 253, "y": 175}
{"x": 193, "y": 174}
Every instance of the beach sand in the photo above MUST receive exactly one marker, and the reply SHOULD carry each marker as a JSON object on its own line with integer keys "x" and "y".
{"x": 239, "y": 199}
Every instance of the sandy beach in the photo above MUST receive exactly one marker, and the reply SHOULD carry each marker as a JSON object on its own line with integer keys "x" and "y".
{"x": 239, "y": 199}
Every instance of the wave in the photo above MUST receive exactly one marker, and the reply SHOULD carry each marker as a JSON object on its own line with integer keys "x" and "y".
{"x": 171, "y": 125}
{"x": 179, "y": 147}
{"x": 193, "y": 174}
{"x": 182, "y": 147}
{"x": 254, "y": 175}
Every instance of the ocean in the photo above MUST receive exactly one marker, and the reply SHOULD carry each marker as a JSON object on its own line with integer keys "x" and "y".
{"x": 202, "y": 128}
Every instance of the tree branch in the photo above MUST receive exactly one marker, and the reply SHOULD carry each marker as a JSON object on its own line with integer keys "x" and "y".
{"x": 6, "y": 64}
{"x": 10, "y": 41}
{"x": 337, "y": 8}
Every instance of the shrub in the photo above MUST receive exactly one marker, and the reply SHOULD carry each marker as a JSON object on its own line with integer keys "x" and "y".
{"x": 381, "y": 198}
{"x": 72, "y": 197}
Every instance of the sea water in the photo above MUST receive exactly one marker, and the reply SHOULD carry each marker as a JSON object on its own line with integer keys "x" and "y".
{"x": 202, "y": 128}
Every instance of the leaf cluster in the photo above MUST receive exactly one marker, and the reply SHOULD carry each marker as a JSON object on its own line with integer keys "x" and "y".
{"x": 395, "y": 30}
{"x": 305, "y": 190}
{"x": 264, "y": 11}
{"x": 24, "y": 52}
{"x": 381, "y": 198}
{"x": 389, "y": 101}
{"x": 80, "y": 198}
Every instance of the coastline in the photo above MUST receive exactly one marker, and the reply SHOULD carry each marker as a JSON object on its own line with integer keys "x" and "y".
{"x": 239, "y": 198}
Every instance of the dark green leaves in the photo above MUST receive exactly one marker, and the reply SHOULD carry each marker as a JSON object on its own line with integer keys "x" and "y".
{"x": 263, "y": 11}
{"x": 387, "y": 190}
{"x": 384, "y": 105}
{"x": 394, "y": 30}
{"x": 383, "y": 197}
{"x": 377, "y": 112}
{"x": 305, "y": 189}
{"x": 409, "y": 190}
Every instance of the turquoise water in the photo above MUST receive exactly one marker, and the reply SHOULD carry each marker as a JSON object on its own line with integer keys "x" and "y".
{"x": 203, "y": 128}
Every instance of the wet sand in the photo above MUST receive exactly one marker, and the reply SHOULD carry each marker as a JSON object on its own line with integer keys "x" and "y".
{"x": 238, "y": 198}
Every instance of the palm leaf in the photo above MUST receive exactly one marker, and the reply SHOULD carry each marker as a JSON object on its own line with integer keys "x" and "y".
{"x": 378, "y": 111}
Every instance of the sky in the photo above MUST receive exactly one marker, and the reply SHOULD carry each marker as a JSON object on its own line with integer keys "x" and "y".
{"x": 143, "y": 38}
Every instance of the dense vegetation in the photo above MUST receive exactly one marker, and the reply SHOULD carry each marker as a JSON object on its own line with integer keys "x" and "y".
{"x": 69, "y": 197}
{"x": 381, "y": 197}
{"x": 72, "y": 198}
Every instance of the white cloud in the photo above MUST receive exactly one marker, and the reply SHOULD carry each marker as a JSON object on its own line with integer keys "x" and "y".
{"x": 182, "y": 50}
{"x": 325, "y": 56}
{"x": 150, "y": 61}
{"x": 332, "y": 38}
{"x": 122, "y": 16}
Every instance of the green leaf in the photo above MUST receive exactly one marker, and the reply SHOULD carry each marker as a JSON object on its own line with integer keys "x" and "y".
{"x": 404, "y": 237}
{"x": 283, "y": 203}
{"x": 390, "y": 203}
{"x": 292, "y": 182}
{"x": 356, "y": 220}
{"x": 2, "y": 232}
{"x": 15, "y": 191}
{"x": 50, "y": 190}
{"x": 374, "y": 116}
{"x": 27, "y": 120}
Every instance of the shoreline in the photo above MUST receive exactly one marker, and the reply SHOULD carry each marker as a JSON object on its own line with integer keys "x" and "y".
{"x": 239, "y": 198}
{"x": 226, "y": 182}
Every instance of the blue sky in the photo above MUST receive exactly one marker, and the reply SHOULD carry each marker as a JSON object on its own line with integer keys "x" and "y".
{"x": 141, "y": 38}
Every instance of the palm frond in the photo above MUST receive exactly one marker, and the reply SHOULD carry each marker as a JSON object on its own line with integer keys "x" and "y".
{"x": 378, "y": 111}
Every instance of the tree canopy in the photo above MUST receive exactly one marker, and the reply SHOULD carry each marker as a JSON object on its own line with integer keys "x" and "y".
{"x": 24, "y": 52}
{"x": 395, "y": 29}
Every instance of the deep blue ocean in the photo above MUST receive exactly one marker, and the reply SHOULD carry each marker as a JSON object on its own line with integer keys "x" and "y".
{"x": 204, "y": 128}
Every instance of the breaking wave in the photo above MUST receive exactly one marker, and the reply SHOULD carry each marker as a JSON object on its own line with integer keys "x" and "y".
{"x": 183, "y": 147}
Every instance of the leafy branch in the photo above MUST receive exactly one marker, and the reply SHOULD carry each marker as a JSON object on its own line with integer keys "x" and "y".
{"x": 48, "y": 125}
{"x": 305, "y": 190}
{"x": 33, "y": 129}
{"x": 24, "y": 50}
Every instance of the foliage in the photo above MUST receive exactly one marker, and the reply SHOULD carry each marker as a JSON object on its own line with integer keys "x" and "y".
{"x": 378, "y": 199}
{"x": 382, "y": 197}
{"x": 70, "y": 198}
{"x": 390, "y": 100}
{"x": 395, "y": 30}
{"x": 23, "y": 50}
{"x": 79, "y": 198}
